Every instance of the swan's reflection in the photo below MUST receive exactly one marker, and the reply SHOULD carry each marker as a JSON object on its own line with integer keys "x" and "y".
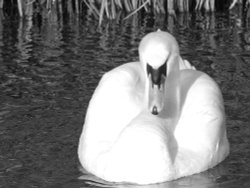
{"x": 205, "y": 179}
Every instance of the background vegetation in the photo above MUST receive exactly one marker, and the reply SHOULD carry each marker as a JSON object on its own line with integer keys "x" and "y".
{"x": 114, "y": 9}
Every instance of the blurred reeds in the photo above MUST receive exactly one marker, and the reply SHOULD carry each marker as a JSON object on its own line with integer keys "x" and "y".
{"x": 112, "y": 9}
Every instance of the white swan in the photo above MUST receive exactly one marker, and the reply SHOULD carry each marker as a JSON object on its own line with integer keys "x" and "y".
{"x": 155, "y": 120}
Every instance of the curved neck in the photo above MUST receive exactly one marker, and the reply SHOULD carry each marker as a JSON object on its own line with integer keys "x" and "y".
{"x": 172, "y": 97}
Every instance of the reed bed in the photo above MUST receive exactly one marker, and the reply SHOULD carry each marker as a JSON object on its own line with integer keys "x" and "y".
{"x": 112, "y": 9}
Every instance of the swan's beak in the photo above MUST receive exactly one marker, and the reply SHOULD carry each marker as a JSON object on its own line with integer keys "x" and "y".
{"x": 156, "y": 80}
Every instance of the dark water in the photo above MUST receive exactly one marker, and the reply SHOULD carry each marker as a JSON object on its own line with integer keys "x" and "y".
{"x": 48, "y": 72}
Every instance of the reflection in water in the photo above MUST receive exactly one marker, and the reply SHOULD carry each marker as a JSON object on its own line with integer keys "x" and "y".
{"x": 218, "y": 176}
{"x": 49, "y": 69}
{"x": 203, "y": 180}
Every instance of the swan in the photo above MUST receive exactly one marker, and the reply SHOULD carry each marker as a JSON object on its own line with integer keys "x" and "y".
{"x": 155, "y": 120}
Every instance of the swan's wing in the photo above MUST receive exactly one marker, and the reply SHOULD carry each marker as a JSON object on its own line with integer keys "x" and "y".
{"x": 110, "y": 109}
{"x": 201, "y": 126}
{"x": 184, "y": 64}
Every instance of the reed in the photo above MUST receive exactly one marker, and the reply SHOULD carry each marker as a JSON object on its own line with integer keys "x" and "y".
{"x": 245, "y": 3}
{"x": 1, "y": 3}
{"x": 112, "y": 9}
{"x": 20, "y": 7}
{"x": 109, "y": 8}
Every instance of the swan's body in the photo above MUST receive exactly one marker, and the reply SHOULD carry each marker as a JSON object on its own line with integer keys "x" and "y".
{"x": 143, "y": 128}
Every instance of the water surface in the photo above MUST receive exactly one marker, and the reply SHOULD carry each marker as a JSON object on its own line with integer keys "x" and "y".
{"x": 49, "y": 70}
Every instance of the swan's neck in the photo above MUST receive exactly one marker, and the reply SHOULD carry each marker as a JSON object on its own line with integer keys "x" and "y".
{"x": 172, "y": 96}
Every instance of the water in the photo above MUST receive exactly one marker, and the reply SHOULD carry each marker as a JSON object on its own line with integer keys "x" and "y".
{"x": 49, "y": 70}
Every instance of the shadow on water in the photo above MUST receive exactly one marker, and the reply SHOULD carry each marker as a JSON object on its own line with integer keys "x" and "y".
{"x": 217, "y": 177}
{"x": 50, "y": 68}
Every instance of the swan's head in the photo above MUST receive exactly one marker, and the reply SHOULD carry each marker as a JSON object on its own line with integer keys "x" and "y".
{"x": 158, "y": 51}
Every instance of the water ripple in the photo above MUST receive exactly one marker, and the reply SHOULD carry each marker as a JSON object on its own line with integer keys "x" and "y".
{"x": 49, "y": 72}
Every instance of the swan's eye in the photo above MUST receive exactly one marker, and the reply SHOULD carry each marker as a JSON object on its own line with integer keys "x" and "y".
{"x": 163, "y": 69}
{"x": 149, "y": 69}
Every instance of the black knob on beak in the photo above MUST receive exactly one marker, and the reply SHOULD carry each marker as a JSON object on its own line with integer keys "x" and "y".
{"x": 155, "y": 111}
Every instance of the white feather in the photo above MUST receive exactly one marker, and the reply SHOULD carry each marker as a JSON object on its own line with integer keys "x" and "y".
{"x": 123, "y": 142}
